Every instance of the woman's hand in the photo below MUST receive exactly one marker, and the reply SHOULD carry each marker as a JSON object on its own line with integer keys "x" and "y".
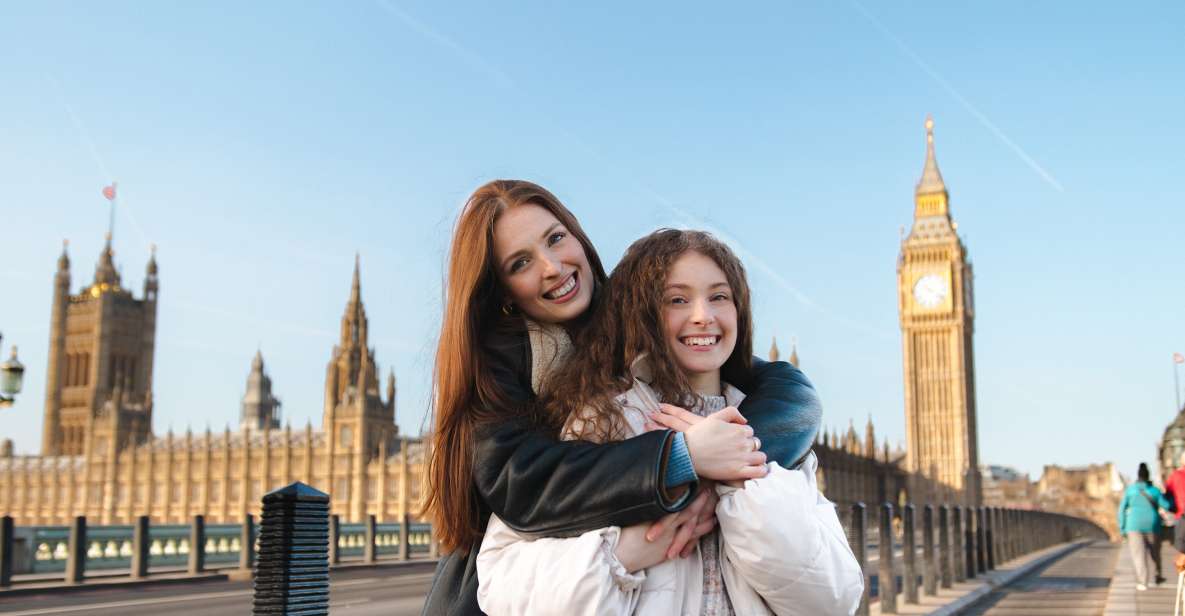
{"x": 697, "y": 520}
{"x": 635, "y": 551}
{"x": 722, "y": 447}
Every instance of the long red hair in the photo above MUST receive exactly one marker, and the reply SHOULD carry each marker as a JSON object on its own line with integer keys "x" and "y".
{"x": 464, "y": 392}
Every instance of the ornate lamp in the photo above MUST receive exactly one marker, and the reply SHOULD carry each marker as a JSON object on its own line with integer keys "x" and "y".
{"x": 12, "y": 372}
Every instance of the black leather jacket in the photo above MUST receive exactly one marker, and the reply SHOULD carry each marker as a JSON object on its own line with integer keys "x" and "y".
{"x": 540, "y": 486}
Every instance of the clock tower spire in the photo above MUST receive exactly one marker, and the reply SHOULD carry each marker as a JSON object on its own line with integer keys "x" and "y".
{"x": 935, "y": 301}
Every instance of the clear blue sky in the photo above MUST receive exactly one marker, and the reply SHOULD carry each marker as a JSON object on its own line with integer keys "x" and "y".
{"x": 259, "y": 146}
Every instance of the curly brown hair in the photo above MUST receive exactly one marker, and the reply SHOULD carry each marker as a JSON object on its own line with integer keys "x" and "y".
{"x": 629, "y": 325}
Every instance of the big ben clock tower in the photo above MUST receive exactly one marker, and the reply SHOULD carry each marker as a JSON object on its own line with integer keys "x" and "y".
{"x": 937, "y": 310}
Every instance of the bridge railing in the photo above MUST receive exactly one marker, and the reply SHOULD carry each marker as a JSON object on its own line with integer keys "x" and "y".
{"x": 948, "y": 544}
{"x": 111, "y": 548}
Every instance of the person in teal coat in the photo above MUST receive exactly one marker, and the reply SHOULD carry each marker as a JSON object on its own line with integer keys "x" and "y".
{"x": 1139, "y": 522}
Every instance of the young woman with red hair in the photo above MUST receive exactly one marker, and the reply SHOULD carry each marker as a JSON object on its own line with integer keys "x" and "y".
{"x": 523, "y": 281}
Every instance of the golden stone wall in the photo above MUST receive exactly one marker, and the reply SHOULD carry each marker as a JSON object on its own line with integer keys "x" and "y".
{"x": 221, "y": 476}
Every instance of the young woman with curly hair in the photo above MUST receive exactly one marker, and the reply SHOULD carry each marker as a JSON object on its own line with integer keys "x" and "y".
{"x": 676, "y": 327}
{"x": 523, "y": 281}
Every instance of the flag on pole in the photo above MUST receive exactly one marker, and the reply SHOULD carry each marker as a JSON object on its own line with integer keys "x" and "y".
{"x": 1178, "y": 358}
{"x": 109, "y": 192}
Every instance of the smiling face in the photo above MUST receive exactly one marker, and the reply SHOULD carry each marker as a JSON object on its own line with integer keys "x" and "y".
{"x": 699, "y": 319}
{"x": 541, "y": 265}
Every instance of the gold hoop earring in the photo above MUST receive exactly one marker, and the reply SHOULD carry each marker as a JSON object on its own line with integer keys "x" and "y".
{"x": 508, "y": 309}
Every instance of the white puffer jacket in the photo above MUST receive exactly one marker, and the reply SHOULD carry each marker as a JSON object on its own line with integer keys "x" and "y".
{"x": 783, "y": 552}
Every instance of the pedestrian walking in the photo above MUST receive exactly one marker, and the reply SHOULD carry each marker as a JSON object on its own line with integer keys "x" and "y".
{"x": 1174, "y": 488}
{"x": 1139, "y": 522}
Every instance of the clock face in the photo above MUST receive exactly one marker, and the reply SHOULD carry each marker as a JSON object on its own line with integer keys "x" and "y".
{"x": 930, "y": 290}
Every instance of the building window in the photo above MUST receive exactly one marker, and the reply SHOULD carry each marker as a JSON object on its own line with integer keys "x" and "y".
{"x": 347, "y": 437}
{"x": 195, "y": 493}
{"x": 234, "y": 491}
{"x": 255, "y": 495}
{"x": 342, "y": 491}
{"x": 215, "y": 491}
{"x": 372, "y": 489}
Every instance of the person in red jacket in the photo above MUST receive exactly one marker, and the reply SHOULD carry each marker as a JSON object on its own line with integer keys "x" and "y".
{"x": 1175, "y": 488}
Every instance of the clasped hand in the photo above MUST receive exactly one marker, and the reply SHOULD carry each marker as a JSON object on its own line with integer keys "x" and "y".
{"x": 722, "y": 448}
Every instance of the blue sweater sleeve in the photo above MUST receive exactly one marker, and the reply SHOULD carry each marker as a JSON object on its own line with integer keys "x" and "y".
{"x": 679, "y": 467}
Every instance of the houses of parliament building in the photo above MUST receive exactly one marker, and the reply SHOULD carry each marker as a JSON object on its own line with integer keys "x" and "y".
{"x": 100, "y": 458}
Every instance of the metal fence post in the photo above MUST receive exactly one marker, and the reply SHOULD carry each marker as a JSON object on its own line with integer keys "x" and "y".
{"x": 140, "y": 545}
{"x": 247, "y": 540}
{"x": 969, "y": 537}
{"x": 956, "y": 545}
{"x": 292, "y": 576}
{"x": 980, "y": 557}
{"x": 335, "y": 535}
{"x": 405, "y": 537}
{"x": 368, "y": 547}
{"x": 989, "y": 538}
{"x": 7, "y": 544}
{"x": 76, "y": 559}
{"x": 197, "y": 545}
{"x": 858, "y": 540}
{"x": 909, "y": 546}
{"x": 929, "y": 572}
{"x": 944, "y": 558}
{"x": 888, "y": 579}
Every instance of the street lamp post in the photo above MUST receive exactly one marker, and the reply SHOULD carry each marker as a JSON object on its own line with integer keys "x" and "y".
{"x": 11, "y": 375}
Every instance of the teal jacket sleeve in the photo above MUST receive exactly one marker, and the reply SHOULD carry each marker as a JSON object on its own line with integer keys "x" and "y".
{"x": 1122, "y": 510}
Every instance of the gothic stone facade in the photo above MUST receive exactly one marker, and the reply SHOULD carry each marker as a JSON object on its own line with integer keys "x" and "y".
{"x": 936, "y": 305}
{"x": 100, "y": 459}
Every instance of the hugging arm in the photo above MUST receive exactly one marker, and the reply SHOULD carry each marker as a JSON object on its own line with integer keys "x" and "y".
{"x": 784, "y": 411}
{"x": 541, "y": 486}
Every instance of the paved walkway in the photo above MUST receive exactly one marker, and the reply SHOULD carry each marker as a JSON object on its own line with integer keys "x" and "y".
{"x": 1075, "y": 584}
{"x": 1123, "y": 598}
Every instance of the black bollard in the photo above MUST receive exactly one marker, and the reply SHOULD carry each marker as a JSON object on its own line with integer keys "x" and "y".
{"x": 140, "y": 545}
{"x": 292, "y": 574}
{"x": 989, "y": 537}
{"x": 888, "y": 575}
{"x": 76, "y": 556}
{"x": 7, "y": 544}
{"x": 944, "y": 555}
{"x": 858, "y": 540}
{"x": 909, "y": 545}
{"x": 929, "y": 572}
{"x": 247, "y": 540}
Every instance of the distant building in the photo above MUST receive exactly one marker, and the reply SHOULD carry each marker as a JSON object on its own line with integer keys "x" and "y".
{"x": 1092, "y": 492}
{"x": 100, "y": 458}
{"x": 1007, "y": 487}
{"x": 1172, "y": 445}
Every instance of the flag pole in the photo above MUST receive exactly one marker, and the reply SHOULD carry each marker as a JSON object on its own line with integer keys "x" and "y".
{"x": 1176, "y": 385}
{"x": 111, "y": 222}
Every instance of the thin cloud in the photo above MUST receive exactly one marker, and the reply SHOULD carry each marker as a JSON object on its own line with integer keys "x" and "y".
{"x": 972, "y": 109}
{"x": 750, "y": 258}
{"x": 474, "y": 60}
{"x": 84, "y": 136}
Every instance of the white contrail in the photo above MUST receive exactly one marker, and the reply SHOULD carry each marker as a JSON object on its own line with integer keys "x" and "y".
{"x": 983, "y": 119}
{"x": 750, "y": 258}
{"x": 473, "y": 59}
{"x": 84, "y": 136}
